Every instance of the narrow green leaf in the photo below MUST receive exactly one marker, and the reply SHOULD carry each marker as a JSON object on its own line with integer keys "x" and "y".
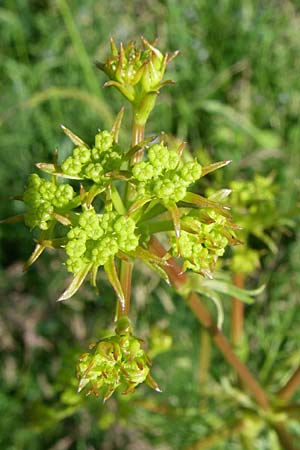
{"x": 75, "y": 139}
{"x": 220, "y": 195}
{"x": 203, "y": 202}
{"x": 62, "y": 219}
{"x": 138, "y": 204}
{"x": 76, "y": 282}
{"x": 146, "y": 255}
{"x": 53, "y": 243}
{"x": 244, "y": 295}
{"x": 14, "y": 219}
{"x": 159, "y": 270}
{"x": 38, "y": 250}
{"x": 117, "y": 200}
{"x": 215, "y": 166}
{"x": 132, "y": 151}
{"x": 174, "y": 211}
{"x": 54, "y": 169}
{"x": 92, "y": 194}
{"x": 111, "y": 273}
{"x": 117, "y": 125}
{"x": 119, "y": 174}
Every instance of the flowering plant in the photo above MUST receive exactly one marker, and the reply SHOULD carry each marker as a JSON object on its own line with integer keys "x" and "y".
{"x": 104, "y": 204}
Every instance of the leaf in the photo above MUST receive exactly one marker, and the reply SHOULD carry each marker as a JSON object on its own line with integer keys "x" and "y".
{"x": 111, "y": 273}
{"x": 75, "y": 139}
{"x": 228, "y": 288}
{"x": 264, "y": 138}
{"x": 62, "y": 219}
{"x": 203, "y": 202}
{"x": 138, "y": 204}
{"x": 117, "y": 125}
{"x": 54, "y": 169}
{"x": 174, "y": 211}
{"x": 131, "y": 152}
{"x": 93, "y": 192}
{"x": 76, "y": 282}
{"x": 117, "y": 200}
{"x": 212, "y": 295}
{"x": 119, "y": 174}
{"x": 146, "y": 255}
{"x": 215, "y": 166}
{"x": 38, "y": 250}
{"x": 220, "y": 195}
{"x": 159, "y": 270}
{"x": 14, "y": 219}
{"x": 53, "y": 243}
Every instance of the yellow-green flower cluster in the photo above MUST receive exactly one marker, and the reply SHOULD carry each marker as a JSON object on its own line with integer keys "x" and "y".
{"x": 93, "y": 163}
{"x": 43, "y": 198}
{"x": 164, "y": 176}
{"x": 97, "y": 237}
{"x": 116, "y": 361}
{"x": 201, "y": 243}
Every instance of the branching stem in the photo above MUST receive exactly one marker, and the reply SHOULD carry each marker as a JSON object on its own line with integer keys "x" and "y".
{"x": 127, "y": 266}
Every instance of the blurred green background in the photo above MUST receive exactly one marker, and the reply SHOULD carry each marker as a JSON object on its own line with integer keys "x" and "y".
{"x": 237, "y": 97}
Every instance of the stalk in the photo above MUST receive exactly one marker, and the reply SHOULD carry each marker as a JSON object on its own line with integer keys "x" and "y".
{"x": 218, "y": 435}
{"x": 126, "y": 267}
{"x": 237, "y": 314}
{"x": 204, "y": 357}
{"x": 287, "y": 391}
{"x": 178, "y": 279}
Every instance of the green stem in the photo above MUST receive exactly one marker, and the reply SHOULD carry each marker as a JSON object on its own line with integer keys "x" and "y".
{"x": 221, "y": 434}
{"x": 204, "y": 357}
{"x": 126, "y": 267}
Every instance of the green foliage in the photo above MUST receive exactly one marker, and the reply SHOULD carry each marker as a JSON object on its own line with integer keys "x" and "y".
{"x": 237, "y": 97}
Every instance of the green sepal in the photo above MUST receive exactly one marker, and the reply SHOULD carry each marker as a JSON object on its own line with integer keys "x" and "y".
{"x": 112, "y": 275}
{"x": 126, "y": 89}
{"x": 76, "y": 282}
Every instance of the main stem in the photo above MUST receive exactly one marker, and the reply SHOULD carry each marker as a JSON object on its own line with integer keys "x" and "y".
{"x": 138, "y": 132}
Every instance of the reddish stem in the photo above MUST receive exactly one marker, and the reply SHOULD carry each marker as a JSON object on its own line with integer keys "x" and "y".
{"x": 178, "y": 279}
{"x": 287, "y": 391}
